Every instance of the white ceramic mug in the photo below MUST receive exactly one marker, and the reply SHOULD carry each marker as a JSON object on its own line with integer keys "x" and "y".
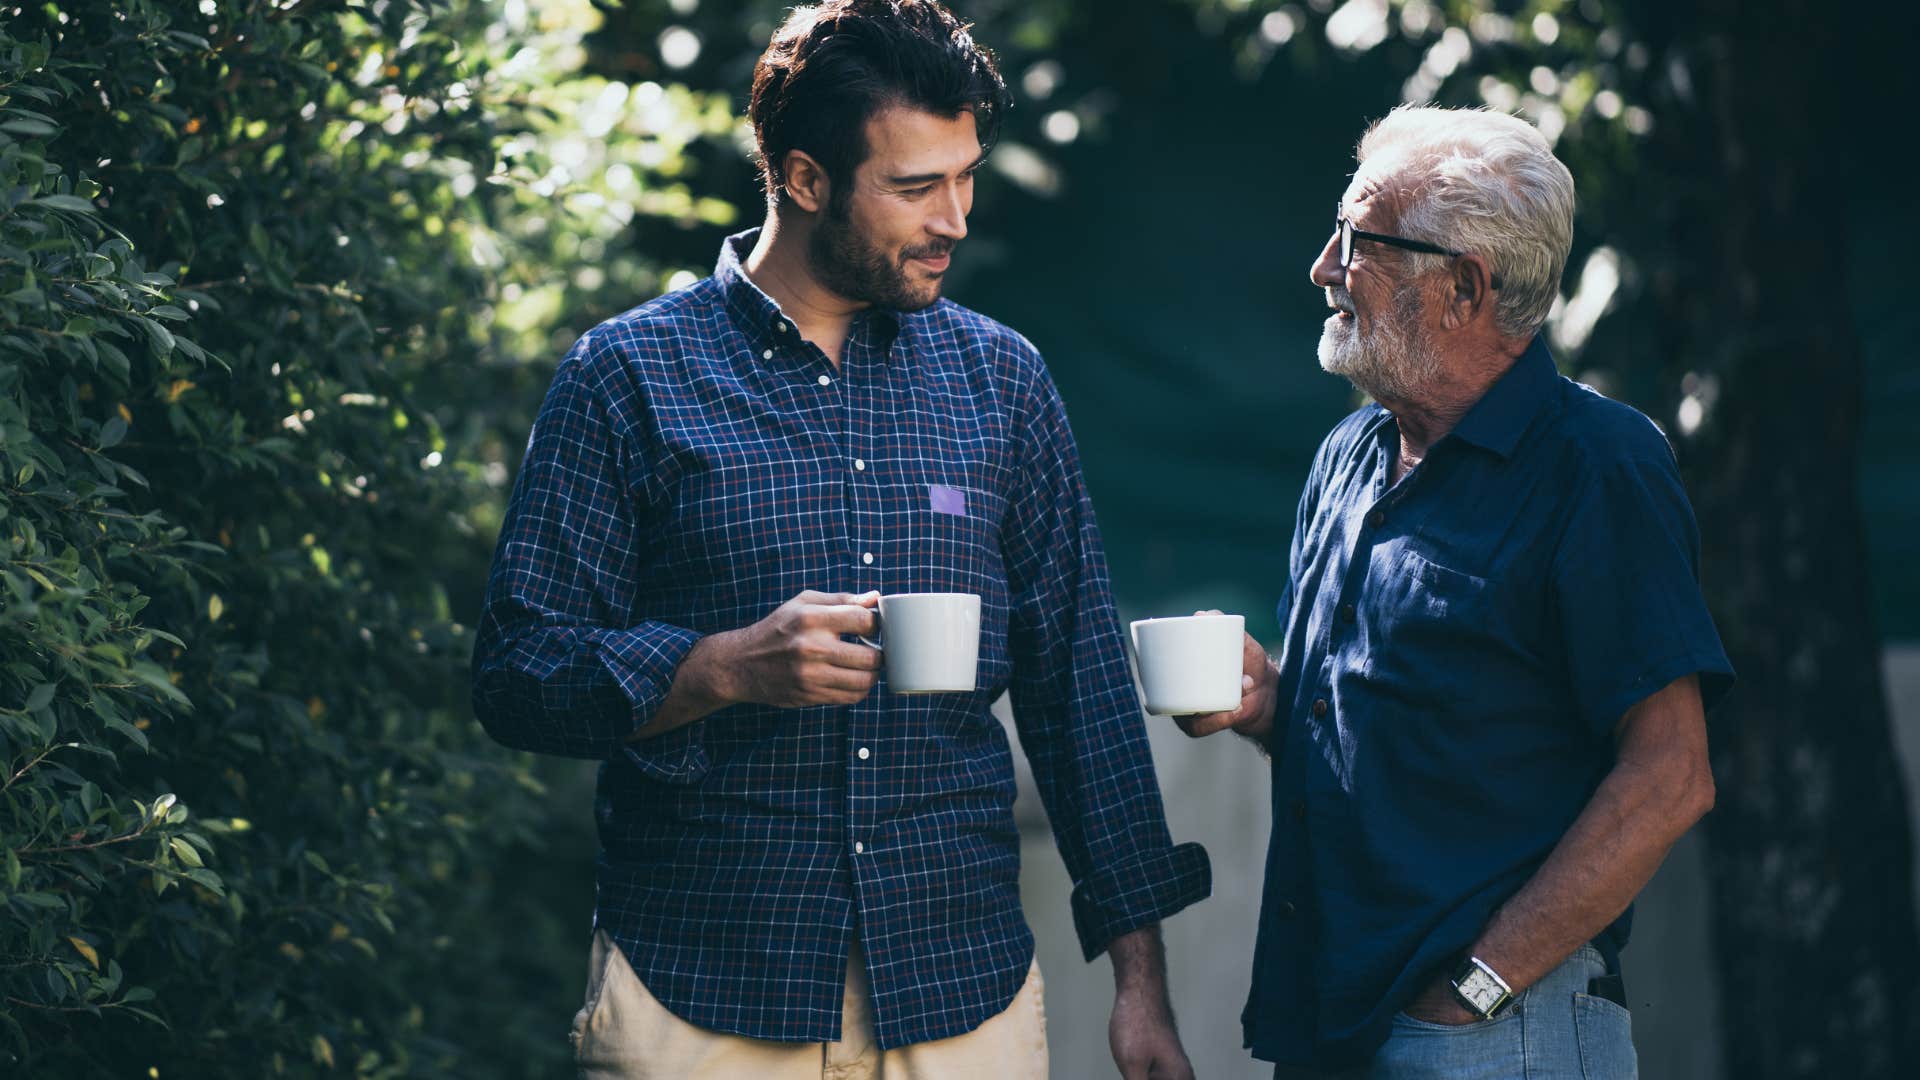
{"x": 931, "y": 641}
{"x": 1191, "y": 664}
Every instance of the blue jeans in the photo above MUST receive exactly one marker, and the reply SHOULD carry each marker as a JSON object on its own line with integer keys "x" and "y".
{"x": 1554, "y": 1030}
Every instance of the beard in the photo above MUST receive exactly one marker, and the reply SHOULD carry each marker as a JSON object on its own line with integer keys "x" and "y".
{"x": 846, "y": 262}
{"x": 1391, "y": 359}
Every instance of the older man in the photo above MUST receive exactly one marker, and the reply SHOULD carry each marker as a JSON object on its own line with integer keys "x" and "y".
{"x": 1486, "y": 720}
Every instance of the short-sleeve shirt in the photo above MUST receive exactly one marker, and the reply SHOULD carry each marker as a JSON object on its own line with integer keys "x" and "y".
{"x": 1459, "y": 650}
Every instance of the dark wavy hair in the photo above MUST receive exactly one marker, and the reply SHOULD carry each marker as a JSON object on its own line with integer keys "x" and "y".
{"x": 832, "y": 66}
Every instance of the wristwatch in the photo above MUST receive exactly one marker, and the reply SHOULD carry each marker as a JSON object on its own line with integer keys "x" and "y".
{"x": 1481, "y": 989}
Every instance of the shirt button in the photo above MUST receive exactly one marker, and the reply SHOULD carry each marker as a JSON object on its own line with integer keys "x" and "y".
{"x": 867, "y": 557}
{"x": 859, "y": 466}
{"x": 1346, "y": 613}
{"x": 1319, "y": 706}
{"x": 859, "y": 848}
{"x": 1299, "y": 809}
{"x": 780, "y": 326}
{"x": 824, "y": 380}
{"x": 1377, "y": 519}
{"x": 865, "y": 753}
{"x": 767, "y": 355}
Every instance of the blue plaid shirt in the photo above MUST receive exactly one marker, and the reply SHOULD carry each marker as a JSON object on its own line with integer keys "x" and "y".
{"x": 695, "y": 465}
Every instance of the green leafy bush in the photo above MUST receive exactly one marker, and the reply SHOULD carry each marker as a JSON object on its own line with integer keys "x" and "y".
{"x": 268, "y": 271}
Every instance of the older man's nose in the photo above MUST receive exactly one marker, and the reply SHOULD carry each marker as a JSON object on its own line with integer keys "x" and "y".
{"x": 1326, "y": 271}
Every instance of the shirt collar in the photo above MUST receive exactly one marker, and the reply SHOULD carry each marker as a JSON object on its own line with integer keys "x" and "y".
{"x": 755, "y": 313}
{"x": 1503, "y": 413}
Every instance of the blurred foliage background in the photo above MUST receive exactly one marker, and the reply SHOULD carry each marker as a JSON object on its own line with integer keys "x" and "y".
{"x": 282, "y": 283}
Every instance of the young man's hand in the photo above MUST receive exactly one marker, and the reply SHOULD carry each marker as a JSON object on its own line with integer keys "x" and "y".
{"x": 1145, "y": 1044}
{"x": 795, "y": 656}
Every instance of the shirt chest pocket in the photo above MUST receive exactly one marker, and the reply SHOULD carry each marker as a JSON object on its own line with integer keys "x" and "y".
{"x": 952, "y": 540}
{"x": 1431, "y": 633}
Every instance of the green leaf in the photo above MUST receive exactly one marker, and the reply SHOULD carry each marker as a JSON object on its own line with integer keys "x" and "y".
{"x": 151, "y": 675}
{"x": 30, "y": 129}
{"x": 138, "y": 737}
{"x": 208, "y": 880}
{"x": 72, "y": 203}
{"x": 184, "y": 851}
{"x": 159, "y": 337}
{"x": 42, "y": 695}
{"x": 112, "y": 432}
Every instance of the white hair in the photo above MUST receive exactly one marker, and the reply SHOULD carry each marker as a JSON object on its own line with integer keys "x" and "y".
{"x": 1487, "y": 184}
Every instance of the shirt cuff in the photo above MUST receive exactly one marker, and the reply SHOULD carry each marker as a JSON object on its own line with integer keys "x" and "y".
{"x": 644, "y": 663}
{"x": 677, "y": 757}
{"x": 1716, "y": 677}
{"x": 1144, "y": 890}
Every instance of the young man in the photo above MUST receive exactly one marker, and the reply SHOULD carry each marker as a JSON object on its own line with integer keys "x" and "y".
{"x": 1486, "y": 721}
{"x": 801, "y": 874}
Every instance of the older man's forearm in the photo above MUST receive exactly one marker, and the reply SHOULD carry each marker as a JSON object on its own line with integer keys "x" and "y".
{"x": 1653, "y": 795}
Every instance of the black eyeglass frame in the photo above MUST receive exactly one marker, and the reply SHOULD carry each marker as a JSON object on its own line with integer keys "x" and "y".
{"x": 1348, "y": 234}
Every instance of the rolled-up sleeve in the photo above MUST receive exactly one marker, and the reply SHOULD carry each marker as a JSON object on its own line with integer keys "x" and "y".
{"x": 562, "y": 664}
{"x": 1073, "y": 699}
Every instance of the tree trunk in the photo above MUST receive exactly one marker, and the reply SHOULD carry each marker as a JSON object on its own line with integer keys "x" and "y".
{"x": 1810, "y": 852}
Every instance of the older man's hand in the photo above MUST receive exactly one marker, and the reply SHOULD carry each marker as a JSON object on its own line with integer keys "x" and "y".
{"x": 1259, "y": 688}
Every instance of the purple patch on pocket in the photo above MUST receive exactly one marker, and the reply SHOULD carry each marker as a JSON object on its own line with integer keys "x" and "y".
{"x": 947, "y": 500}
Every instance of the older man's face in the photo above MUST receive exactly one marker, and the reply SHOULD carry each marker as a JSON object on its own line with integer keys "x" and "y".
{"x": 1374, "y": 337}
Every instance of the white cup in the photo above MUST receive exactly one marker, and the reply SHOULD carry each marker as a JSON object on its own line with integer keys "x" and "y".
{"x": 931, "y": 641}
{"x": 1191, "y": 664}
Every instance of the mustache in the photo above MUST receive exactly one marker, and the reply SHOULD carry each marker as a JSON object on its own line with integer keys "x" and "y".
{"x": 930, "y": 250}
{"x": 1339, "y": 298}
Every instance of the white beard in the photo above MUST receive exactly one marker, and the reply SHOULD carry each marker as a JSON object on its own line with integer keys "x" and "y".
{"x": 1391, "y": 361}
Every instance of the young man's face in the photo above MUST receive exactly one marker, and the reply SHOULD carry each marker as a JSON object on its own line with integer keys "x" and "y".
{"x": 886, "y": 241}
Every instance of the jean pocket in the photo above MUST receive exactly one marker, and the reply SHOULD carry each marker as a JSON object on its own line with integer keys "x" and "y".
{"x": 1604, "y": 1032}
{"x": 1401, "y": 1019}
{"x": 1482, "y": 1049}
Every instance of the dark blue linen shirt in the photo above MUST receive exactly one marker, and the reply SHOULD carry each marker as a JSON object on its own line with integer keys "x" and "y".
{"x": 695, "y": 465}
{"x": 1459, "y": 649}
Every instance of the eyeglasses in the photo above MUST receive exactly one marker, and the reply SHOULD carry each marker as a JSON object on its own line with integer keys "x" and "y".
{"x": 1348, "y": 234}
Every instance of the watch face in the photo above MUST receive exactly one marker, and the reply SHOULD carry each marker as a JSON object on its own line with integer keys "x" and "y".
{"x": 1479, "y": 990}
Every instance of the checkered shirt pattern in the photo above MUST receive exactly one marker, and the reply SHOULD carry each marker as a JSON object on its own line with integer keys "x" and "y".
{"x": 695, "y": 465}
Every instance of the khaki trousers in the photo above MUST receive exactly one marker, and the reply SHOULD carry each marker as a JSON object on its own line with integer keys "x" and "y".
{"x": 623, "y": 1033}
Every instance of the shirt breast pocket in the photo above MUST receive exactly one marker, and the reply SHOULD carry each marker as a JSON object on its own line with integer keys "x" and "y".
{"x": 954, "y": 545}
{"x": 1431, "y": 629}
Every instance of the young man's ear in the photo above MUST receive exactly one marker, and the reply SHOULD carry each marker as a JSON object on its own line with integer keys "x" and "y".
{"x": 806, "y": 182}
